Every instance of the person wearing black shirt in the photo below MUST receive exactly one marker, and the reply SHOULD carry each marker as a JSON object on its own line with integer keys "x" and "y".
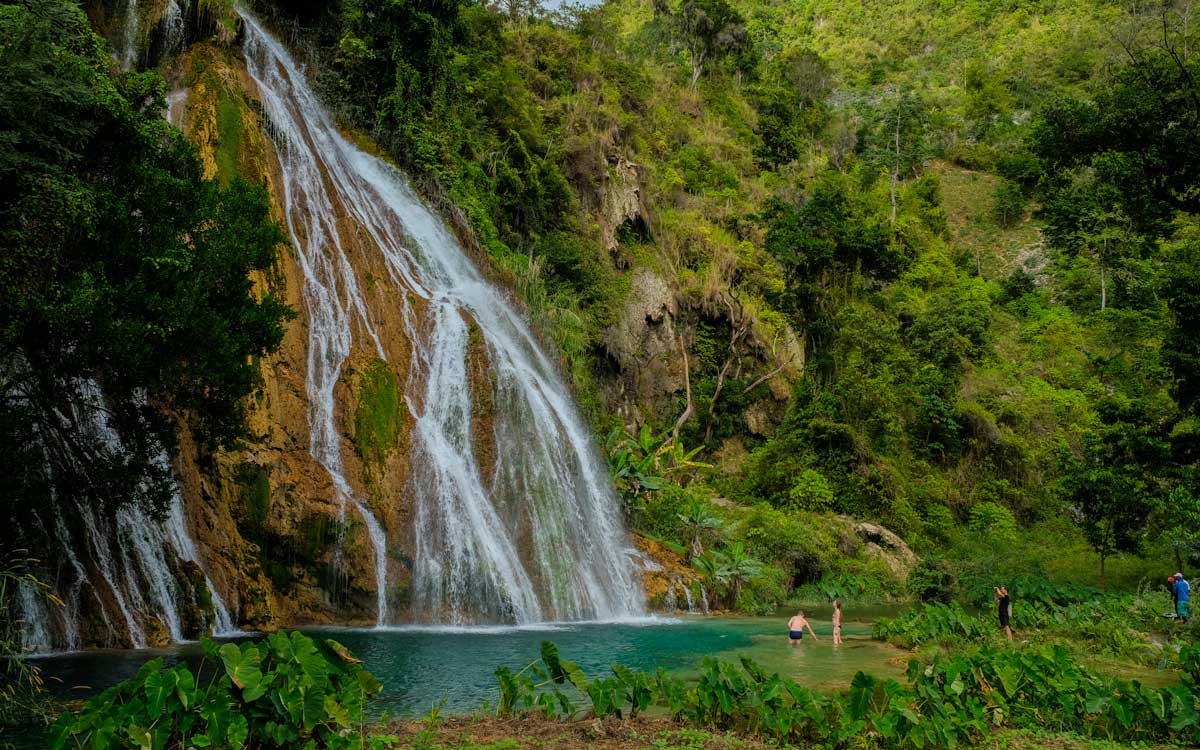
{"x": 1004, "y": 609}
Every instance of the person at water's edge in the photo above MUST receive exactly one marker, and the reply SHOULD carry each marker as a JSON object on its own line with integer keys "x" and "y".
{"x": 796, "y": 627}
{"x": 837, "y": 622}
{"x": 1004, "y": 609}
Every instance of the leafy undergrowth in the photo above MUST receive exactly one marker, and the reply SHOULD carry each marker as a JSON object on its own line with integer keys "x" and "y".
{"x": 1038, "y": 739}
{"x": 1116, "y": 626}
{"x": 951, "y": 701}
{"x": 287, "y": 691}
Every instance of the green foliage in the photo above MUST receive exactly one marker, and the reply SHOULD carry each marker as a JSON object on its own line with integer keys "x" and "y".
{"x": 122, "y": 267}
{"x": 1009, "y": 207}
{"x": 727, "y": 571}
{"x": 285, "y": 691}
{"x": 379, "y": 415}
{"x": 993, "y": 522}
{"x": 23, "y": 699}
{"x": 641, "y": 463}
{"x": 708, "y": 30}
{"x": 948, "y": 702}
{"x": 933, "y": 623}
{"x": 698, "y": 525}
{"x": 811, "y": 492}
{"x": 932, "y": 580}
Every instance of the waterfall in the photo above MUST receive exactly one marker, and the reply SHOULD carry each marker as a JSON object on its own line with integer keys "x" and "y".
{"x": 134, "y": 558}
{"x": 537, "y": 534}
{"x": 181, "y": 541}
{"x": 172, "y": 27}
{"x": 670, "y": 601}
{"x": 35, "y": 618}
{"x": 691, "y": 605}
{"x": 129, "y": 56}
{"x": 703, "y": 599}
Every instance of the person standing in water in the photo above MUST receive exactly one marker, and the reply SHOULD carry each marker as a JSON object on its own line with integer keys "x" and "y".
{"x": 1004, "y": 609}
{"x": 796, "y": 627}
{"x": 837, "y": 622}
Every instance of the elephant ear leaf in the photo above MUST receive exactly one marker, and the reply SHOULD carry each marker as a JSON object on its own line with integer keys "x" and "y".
{"x": 158, "y": 686}
{"x": 342, "y": 652}
{"x": 242, "y": 665}
{"x": 553, "y": 664}
{"x": 575, "y": 675}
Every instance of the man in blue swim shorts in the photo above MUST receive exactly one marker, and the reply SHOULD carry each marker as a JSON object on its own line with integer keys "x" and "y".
{"x": 796, "y": 627}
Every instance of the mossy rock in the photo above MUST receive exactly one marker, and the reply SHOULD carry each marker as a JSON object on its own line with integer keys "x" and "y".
{"x": 378, "y": 418}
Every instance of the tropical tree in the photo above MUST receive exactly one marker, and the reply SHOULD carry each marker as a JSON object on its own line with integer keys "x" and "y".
{"x": 642, "y": 463}
{"x": 740, "y": 569}
{"x": 698, "y": 524}
{"x": 707, "y": 29}
{"x": 728, "y": 571}
{"x": 123, "y": 271}
{"x": 1179, "y": 524}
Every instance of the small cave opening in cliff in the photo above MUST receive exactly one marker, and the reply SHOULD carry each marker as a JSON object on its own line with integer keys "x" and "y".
{"x": 606, "y": 366}
{"x": 806, "y": 568}
{"x": 634, "y": 231}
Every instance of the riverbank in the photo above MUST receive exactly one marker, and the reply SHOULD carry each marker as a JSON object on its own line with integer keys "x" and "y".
{"x": 537, "y": 733}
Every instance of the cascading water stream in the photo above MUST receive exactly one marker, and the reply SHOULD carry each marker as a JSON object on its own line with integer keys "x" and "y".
{"x": 133, "y": 555}
{"x": 129, "y": 54}
{"x": 537, "y": 534}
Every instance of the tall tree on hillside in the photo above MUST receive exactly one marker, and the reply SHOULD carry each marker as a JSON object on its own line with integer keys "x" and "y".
{"x": 1115, "y": 487}
{"x": 707, "y": 29}
{"x": 893, "y": 139}
{"x": 1181, "y": 348}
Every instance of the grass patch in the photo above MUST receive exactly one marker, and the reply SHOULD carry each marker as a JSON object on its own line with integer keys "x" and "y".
{"x": 968, "y": 199}
{"x": 229, "y": 129}
{"x": 377, "y": 418}
{"x": 535, "y": 732}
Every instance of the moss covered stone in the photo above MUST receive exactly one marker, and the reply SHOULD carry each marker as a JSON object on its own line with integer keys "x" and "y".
{"x": 377, "y": 418}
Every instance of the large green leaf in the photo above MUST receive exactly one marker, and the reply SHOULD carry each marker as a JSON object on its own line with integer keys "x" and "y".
{"x": 157, "y": 687}
{"x": 342, "y": 652}
{"x": 242, "y": 664}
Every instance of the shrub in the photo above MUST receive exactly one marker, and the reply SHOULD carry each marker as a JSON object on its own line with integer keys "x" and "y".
{"x": 286, "y": 691}
{"x": 1009, "y": 206}
{"x": 933, "y": 623}
{"x": 932, "y": 580}
{"x": 811, "y": 491}
{"x": 993, "y": 521}
{"x": 949, "y": 702}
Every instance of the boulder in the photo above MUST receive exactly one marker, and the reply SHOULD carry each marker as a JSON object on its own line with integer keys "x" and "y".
{"x": 885, "y": 545}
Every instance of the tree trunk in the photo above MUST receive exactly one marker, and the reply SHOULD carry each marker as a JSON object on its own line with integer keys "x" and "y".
{"x": 1103, "y": 291}
{"x": 691, "y": 407}
{"x": 1103, "y": 580}
{"x": 697, "y": 67}
{"x": 896, "y": 168}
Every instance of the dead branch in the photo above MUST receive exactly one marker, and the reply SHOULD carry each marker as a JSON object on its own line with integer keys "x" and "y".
{"x": 691, "y": 407}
